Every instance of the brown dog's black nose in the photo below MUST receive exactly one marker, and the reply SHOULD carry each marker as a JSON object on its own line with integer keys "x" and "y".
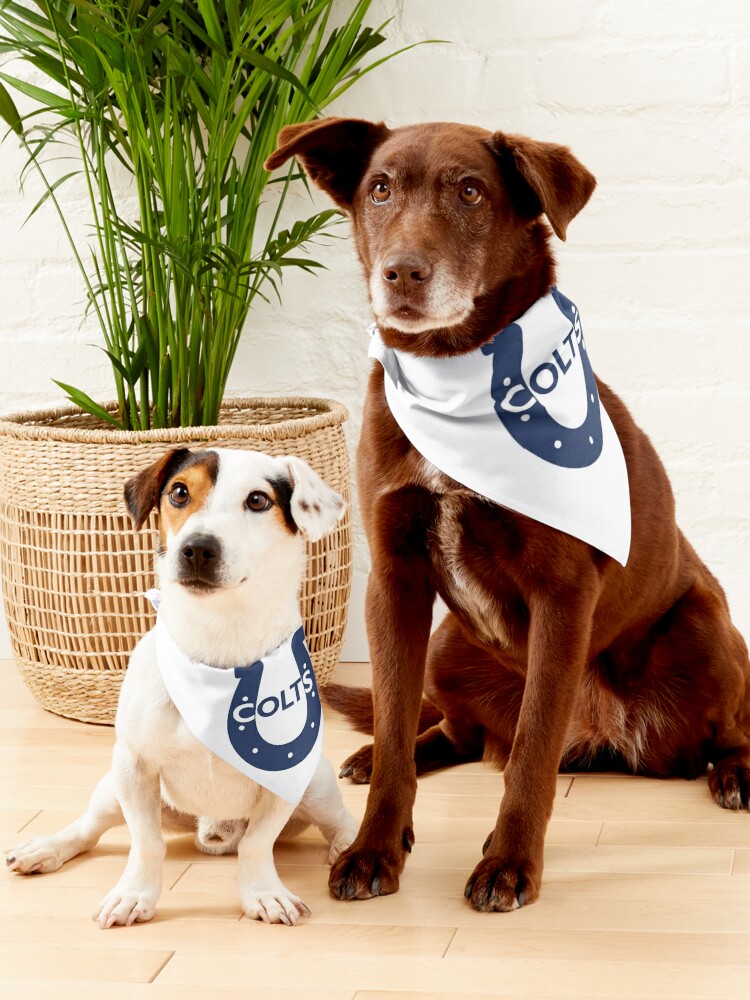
{"x": 200, "y": 551}
{"x": 408, "y": 269}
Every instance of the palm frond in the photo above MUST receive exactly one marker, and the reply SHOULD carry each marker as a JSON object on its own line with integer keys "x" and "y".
{"x": 188, "y": 96}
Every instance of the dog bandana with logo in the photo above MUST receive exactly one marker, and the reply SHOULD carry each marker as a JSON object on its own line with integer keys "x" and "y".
{"x": 264, "y": 719}
{"x": 519, "y": 421}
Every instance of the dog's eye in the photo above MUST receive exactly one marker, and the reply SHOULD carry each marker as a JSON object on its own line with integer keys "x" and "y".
{"x": 470, "y": 195}
{"x": 258, "y": 501}
{"x": 380, "y": 192}
{"x": 179, "y": 495}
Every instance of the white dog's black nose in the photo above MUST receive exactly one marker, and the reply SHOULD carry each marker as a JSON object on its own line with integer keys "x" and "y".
{"x": 200, "y": 552}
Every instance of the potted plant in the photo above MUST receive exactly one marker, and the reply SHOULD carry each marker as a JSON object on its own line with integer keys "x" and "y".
{"x": 186, "y": 99}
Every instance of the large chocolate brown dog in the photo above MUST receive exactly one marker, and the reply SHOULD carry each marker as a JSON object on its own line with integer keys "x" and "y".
{"x": 553, "y": 652}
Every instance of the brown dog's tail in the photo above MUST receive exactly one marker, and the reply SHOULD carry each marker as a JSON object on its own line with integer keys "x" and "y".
{"x": 355, "y": 704}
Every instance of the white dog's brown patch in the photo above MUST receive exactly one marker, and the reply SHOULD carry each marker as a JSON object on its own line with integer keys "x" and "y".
{"x": 186, "y": 491}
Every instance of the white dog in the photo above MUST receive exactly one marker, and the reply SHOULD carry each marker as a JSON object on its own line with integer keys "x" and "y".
{"x": 230, "y": 564}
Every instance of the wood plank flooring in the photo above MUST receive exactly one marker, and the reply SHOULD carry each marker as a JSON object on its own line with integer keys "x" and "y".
{"x": 646, "y": 895}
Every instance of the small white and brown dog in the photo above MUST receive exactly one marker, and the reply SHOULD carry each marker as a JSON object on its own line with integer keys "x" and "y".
{"x": 229, "y": 565}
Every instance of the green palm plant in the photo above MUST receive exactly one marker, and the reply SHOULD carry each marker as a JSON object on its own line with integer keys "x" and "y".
{"x": 188, "y": 96}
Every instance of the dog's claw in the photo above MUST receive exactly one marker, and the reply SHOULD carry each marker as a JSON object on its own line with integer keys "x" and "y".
{"x": 408, "y": 840}
{"x": 345, "y": 772}
{"x": 502, "y": 885}
{"x": 362, "y": 874}
{"x": 729, "y": 782}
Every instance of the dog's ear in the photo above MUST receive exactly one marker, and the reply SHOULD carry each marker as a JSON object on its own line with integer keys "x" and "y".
{"x": 314, "y": 507}
{"x": 543, "y": 177}
{"x": 334, "y": 152}
{"x": 142, "y": 492}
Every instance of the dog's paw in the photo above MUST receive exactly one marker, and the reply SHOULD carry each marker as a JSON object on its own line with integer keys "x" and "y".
{"x": 501, "y": 884}
{"x": 361, "y": 873}
{"x": 358, "y": 767}
{"x": 273, "y": 906}
{"x": 729, "y": 782}
{"x": 37, "y": 856}
{"x": 126, "y": 905}
{"x": 219, "y": 836}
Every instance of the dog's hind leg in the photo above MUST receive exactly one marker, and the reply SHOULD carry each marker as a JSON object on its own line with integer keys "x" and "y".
{"x": 46, "y": 854}
{"x": 451, "y": 673}
{"x": 701, "y": 664}
{"x": 444, "y": 745}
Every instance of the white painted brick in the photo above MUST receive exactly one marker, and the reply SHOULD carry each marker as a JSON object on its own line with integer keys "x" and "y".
{"x": 672, "y": 20}
{"x": 701, "y": 214}
{"x": 634, "y": 79}
{"x": 697, "y": 423}
{"x": 671, "y": 145}
{"x": 475, "y": 22}
{"x": 688, "y": 282}
{"x": 740, "y": 60}
{"x": 633, "y": 357}
{"x": 62, "y": 290}
{"x": 504, "y": 90}
{"x": 723, "y": 551}
{"x": 16, "y": 304}
{"x": 42, "y": 238}
{"x": 430, "y": 81}
{"x": 39, "y": 361}
{"x": 12, "y": 159}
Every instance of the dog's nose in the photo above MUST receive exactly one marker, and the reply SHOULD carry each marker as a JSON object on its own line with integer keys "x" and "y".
{"x": 200, "y": 550}
{"x": 408, "y": 269}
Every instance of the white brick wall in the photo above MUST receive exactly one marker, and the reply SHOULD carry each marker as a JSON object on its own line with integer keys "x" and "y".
{"x": 652, "y": 95}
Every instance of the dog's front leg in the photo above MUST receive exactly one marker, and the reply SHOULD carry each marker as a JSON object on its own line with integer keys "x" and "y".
{"x": 262, "y": 893}
{"x": 134, "y": 898}
{"x": 399, "y": 613}
{"x": 509, "y": 875}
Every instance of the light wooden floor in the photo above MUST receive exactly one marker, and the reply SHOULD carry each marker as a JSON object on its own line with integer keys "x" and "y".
{"x": 646, "y": 894}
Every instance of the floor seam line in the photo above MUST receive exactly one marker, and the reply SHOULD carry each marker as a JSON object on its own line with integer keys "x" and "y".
{"x": 163, "y": 965}
{"x": 450, "y": 942}
{"x": 190, "y": 865}
{"x": 35, "y": 816}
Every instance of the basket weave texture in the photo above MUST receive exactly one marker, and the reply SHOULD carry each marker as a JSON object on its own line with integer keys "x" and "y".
{"x": 74, "y": 570}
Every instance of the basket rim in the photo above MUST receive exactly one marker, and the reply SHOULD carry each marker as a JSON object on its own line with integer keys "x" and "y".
{"x": 30, "y": 424}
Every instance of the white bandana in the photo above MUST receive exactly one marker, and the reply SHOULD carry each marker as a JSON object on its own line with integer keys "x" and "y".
{"x": 519, "y": 421}
{"x": 264, "y": 719}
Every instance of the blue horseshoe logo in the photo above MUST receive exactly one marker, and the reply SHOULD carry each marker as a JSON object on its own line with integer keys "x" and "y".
{"x": 520, "y": 411}
{"x": 242, "y": 718}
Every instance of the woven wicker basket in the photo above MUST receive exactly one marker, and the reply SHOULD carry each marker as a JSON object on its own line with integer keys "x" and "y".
{"x": 73, "y": 570}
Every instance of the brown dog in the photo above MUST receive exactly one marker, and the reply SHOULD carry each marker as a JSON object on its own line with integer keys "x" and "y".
{"x": 552, "y": 652}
